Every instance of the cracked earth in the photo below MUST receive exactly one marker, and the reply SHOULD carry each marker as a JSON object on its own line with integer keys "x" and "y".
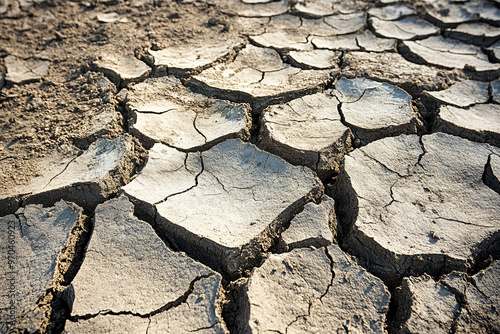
{"x": 249, "y": 166}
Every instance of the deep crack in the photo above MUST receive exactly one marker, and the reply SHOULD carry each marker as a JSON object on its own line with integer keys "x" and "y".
{"x": 170, "y": 305}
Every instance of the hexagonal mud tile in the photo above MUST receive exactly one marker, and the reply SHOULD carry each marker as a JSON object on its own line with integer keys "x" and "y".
{"x": 182, "y": 60}
{"x": 128, "y": 270}
{"x": 462, "y": 94}
{"x": 480, "y": 122}
{"x": 475, "y": 33}
{"x": 34, "y": 243}
{"x": 307, "y": 131}
{"x": 411, "y": 205}
{"x": 485, "y": 10}
{"x": 86, "y": 178}
{"x": 315, "y": 59}
{"x": 455, "y": 302}
{"x": 318, "y": 8}
{"x": 22, "y": 71}
{"x": 396, "y": 70}
{"x": 315, "y": 226}
{"x": 449, "y": 53}
{"x": 249, "y": 8}
{"x": 225, "y": 205}
{"x": 313, "y": 291}
{"x": 286, "y": 32}
{"x": 404, "y": 29}
{"x": 163, "y": 110}
{"x": 258, "y": 75}
{"x": 121, "y": 69}
{"x": 391, "y": 12}
{"x": 445, "y": 14}
{"x": 358, "y": 41}
{"x": 374, "y": 110}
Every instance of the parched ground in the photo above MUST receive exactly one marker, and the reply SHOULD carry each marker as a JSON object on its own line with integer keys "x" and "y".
{"x": 249, "y": 166}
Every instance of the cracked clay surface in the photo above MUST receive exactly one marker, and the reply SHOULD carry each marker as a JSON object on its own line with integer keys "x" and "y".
{"x": 249, "y": 166}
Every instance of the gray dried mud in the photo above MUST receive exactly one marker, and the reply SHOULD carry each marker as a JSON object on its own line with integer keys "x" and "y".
{"x": 249, "y": 166}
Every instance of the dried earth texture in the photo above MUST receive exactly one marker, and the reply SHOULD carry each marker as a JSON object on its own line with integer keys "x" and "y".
{"x": 129, "y": 270}
{"x": 415, "y": 205}
{"x": 258, "y": 191}
{"x": 162, "y": 110}
{"x": 314, "y": 291}
{"x": 37, "y": 244}
{"x": 249, "y": 166}
{"x": 458, "y": 302}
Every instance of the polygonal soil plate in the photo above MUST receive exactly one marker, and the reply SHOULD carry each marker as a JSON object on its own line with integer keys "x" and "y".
{"x": 374, "y": 110}
{"x": 451, "y": 54}
{"x": 258, "y": 75}
{"x": 307, "y": 131}
{"x": 225, "y": 205}
{"x": 129, "y": 270}
{"x": 415, "y": 205}
{"x": 162, "y": 110}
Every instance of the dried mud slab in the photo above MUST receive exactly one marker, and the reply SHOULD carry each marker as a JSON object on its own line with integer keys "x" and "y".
{"x": 251, "y": 8}
{"x": 449, "y": 53}
{"x": 182, "y": 60}
{"x": 32, "y": 262}
{"x": 423, "y": 298}
{"x": 374, "y": 110}
{"x": 318, "y": 8}
{"x": 314, "y": 226}
{"x": 462, "y": 94}
{"x": 454, "y": 303}
{"x": 307, "y": 131}
{"x": 391, "y": 12}
{"x": 398, "y": 71}
{"x": 315, "y": 59}
{"x": 129, "y": 270}
{"x": 258, "y": 75}
{"x": 85, "y": 178}
{"x": 405, "y": 29}
{"x": 365, "y": 41}
{"x": 121, "y": 69}
{"x": 289, "y": 32}
{"x": 445, "y": 14}
{"x": 485, "y": 10}
{"x": 22, "y": 71}
{"x": 283, "y": 40}
{"x": 407, "y": 206}
{"x": 259, "y": 192}
{"x": 286, "y": 32}
{"x": 110, "y": 17}
{"x": 314, "y": 291}
{"x": 162, "y": 110}
{"x": 44, "y": 117}
{"x": 480, "y": 122}
{"x": 346, "y": 23}
{"x": 481, "y": 34}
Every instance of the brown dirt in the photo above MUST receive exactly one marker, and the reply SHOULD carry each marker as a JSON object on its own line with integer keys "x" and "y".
{"x": 38, "y": 117}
